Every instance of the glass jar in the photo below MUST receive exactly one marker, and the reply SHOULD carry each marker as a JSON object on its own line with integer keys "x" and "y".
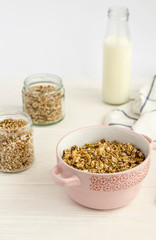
{"x": 43, "y": 98}
{"x": 117, "y": 57}
{"x": 16, "y": 142}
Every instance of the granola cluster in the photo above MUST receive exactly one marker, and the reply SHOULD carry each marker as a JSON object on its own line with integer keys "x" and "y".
{"x": 44, "y": 104}
{"x": 16, "y": 145}
{"x": 103, "y": 157}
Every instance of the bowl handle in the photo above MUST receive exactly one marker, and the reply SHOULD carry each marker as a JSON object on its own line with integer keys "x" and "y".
{"x": 150, "y": 141}
{"x": 71, "y": 181}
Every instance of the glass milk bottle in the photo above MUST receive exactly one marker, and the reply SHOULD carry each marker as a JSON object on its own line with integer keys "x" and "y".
{"x": 117, "y": 57}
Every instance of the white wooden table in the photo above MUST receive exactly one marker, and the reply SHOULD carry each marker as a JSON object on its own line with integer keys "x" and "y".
{"x": 33, "y": 208}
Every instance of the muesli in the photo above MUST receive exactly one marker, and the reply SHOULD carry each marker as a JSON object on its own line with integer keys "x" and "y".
{"x": 43, "y": 103}
{"x": 16, "y": 145}
{"x": 103, "y": 157}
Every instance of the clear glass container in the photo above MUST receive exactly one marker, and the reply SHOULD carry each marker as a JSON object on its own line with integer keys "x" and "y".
{"x": 117, "y": 57}
{"x": 16, "y": 142}
{"x": 43, "y": 98}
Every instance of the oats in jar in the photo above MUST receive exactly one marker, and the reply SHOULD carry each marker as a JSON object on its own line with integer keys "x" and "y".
{"x": 43, "y": 98}
{"x": 16, "y": 145}
{"x": 103, "y": 157}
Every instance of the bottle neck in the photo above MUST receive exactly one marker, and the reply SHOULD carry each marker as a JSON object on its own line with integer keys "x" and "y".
{"x": 118, "y": 13}
{"x": 118, "y": 22}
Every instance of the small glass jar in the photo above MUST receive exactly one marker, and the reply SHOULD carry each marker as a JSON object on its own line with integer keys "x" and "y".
{"x": 43, "y": 98}
{"x": 16, "y": 142}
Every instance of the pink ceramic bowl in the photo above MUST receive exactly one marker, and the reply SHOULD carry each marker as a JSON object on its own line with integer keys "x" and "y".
{"x": 101, "y": 191}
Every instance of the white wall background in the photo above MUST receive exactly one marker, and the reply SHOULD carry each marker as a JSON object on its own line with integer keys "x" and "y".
{"x": 65, "y": 37}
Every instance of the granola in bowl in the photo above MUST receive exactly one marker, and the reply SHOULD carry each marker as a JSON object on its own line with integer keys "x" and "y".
{"x": 103, "y": 156}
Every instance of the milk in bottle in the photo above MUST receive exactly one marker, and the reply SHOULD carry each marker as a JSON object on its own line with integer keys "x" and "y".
{"x": 117, "y": 58}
